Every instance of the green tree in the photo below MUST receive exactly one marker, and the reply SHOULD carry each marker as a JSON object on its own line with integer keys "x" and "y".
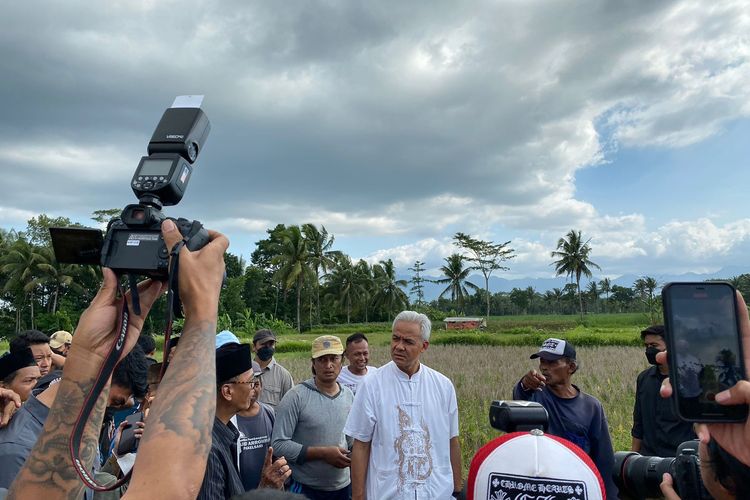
{"x": 592, "y": 290}
{"x": 294, "y": 268}
{"x": 345, "y": 284}
{"x": 573, "y": 259}
{"x": 456, "y": 277}
{"x": 321, "y": 257}
{"x": 645, "y": 287}
{"x": 20, "y": 265}
{"x": 417, "y": 282}
{"x": 37, "y": 228}
{"x": 605, "y": 286}
{"x": 486, "y": 257}
{"x": 388, "y": 289}
{"x": 105, "y": 215}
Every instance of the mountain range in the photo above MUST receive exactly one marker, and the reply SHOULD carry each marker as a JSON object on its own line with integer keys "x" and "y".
{"x": 541, "y": 285}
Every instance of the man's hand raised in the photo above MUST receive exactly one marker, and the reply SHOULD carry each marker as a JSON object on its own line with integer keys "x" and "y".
{"x": 201, "y": 272}
{"x": 533, "y": 381}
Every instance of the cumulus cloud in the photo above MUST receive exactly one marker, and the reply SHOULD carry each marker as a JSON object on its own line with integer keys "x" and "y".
{"x": 386, "y": 118}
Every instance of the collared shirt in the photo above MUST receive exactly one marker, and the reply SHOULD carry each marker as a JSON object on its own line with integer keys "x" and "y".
{"x": 410, "y": 422}
{"x": 276, "y": 382}
{"x": 19, "y": 437}
{"x": 655, "y": 421}
{"x": 222, "y": 479}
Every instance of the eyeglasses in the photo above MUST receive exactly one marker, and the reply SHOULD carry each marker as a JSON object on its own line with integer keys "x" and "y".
{"x": 254, "y": 384}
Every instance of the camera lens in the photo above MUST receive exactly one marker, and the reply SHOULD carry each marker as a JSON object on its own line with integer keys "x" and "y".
{"x": 639, "y": 477}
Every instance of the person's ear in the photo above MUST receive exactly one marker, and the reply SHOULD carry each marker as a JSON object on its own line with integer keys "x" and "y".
{"x": 226, "y": 391}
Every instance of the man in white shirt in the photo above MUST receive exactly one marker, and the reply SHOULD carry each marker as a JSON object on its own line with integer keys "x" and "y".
{"x": 404, "y": 422}
{"x": 358, "y": 354}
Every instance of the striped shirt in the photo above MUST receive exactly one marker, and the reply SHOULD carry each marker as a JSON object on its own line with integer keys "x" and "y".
{"x": 222, "y": 479}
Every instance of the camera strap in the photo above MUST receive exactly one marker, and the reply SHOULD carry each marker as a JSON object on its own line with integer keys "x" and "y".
{"x": 74, "y": 443}
{"x": 113, "y": 357}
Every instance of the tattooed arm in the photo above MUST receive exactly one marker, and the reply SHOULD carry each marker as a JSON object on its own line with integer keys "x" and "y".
{"x": 172, "y": 455}
{"x": 48, "y": 472}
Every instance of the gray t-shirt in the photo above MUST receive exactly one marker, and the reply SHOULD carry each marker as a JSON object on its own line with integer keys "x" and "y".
{"x": 255, "y": 438}
{"x": 19, "y": 437}
{"x": 307, "y": 417}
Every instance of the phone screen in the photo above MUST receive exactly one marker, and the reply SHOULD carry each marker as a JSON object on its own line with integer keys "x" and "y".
{"x": 704, "y": 348}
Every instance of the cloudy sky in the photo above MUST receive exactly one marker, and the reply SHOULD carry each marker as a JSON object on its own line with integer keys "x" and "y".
{"x": 396, "y": 124}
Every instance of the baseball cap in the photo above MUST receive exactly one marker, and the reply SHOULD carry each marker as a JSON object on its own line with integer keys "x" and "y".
{"x": 59, "y": 339}
{"x": 226, "y": 337}
{"x": 553, "y": 349}
{"x": 257, "y": 370}
{"x": 515, "y": 464}
{"x": 327, "y": 344}
{"x": 263, "y": 335}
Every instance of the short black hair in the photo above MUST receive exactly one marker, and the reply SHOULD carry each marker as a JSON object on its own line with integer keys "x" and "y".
{"x": 147, "y": 343}
{"x": 653, "y": 330}
{"x": 131, "y": 372}
{"x": 26, "y": 339}
{"x": 355, "y": 337}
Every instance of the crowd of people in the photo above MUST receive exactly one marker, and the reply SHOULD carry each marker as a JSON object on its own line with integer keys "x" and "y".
{"x": 221, "y": 419}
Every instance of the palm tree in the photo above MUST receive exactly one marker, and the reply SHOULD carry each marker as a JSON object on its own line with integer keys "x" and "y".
{"x": 320, "y": 255}
{"x": 593, "y": 292}
{"x": 605, "y": 286}
{"x": 365, "y": 284}
{"x": 60, "y": 277}
{"x": 388, "y": 292}
{"x": 20, "y": 265}
{"x": 294, "y": 267}
{"x": 573, "y": 259}
{"x": 345, "y": 283}
{"x": 456, "y": 276}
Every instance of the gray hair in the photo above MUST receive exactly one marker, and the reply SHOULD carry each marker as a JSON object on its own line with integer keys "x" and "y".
{"x": 425, "y": 326}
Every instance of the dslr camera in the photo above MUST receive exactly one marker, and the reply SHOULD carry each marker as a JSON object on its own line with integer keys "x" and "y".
{"x": 133, "y": 244}
{"x": 638, "y": 477}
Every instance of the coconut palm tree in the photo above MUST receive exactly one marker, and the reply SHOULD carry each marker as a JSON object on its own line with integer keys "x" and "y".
{"x": 294, "y": 266}
{"x": 388, "y": 289}
{"x": 320, "y": 255}
{"x": 345, "y": 283}
{"x": 21, "y": 267}
{"x": 456, "y": 276}
{"x": 573, "y": 259}
{"x": 605, "y": 286}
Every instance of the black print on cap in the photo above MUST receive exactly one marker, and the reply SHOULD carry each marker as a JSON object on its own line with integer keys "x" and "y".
{"x": 511, "y": 487}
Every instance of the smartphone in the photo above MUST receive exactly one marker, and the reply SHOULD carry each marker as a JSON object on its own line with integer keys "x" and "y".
{"x": 704, "y": 349}
{"x": 128, "y": 441}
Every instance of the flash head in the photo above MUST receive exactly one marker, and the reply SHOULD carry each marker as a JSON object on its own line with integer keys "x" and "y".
{"x": 182, "y": 131}
{"x": 513, "y": 416}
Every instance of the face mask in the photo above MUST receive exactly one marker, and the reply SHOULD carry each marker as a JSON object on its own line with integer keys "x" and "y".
{"x": 651, "y": 353}
{"x": 265, "y": 353}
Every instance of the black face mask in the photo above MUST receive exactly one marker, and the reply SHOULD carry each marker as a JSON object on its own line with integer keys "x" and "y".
{"x": 265, "y": 353}
{"x": 651, "y": 353}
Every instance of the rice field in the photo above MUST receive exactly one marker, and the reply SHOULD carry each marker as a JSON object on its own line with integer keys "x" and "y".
{"x": 482, "y": 374}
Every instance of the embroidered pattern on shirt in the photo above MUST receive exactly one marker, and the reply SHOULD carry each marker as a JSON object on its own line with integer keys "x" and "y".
{"x": 412, "y": 446}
